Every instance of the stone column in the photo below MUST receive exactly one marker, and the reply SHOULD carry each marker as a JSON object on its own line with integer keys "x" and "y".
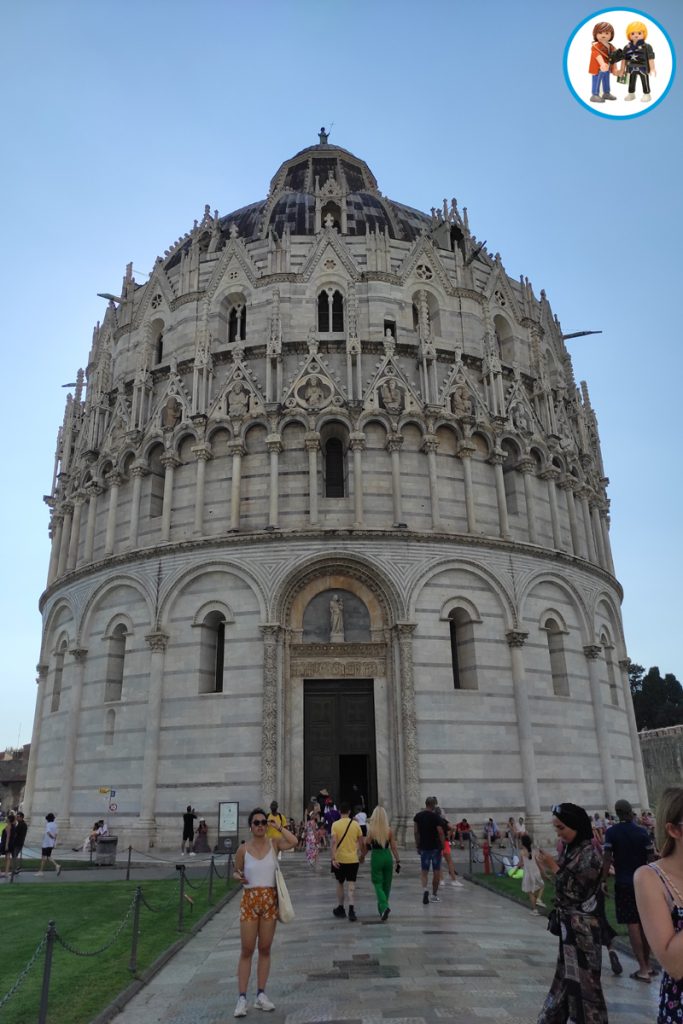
{"x": 71, "y": 738}
{"x": 592, "y": 652}
{"x": 57, "y": 528}
{"x": 411, "y": 765}
{"x": 567, "y": 485}
{"x": 607, "y": 547}
{"x": 93, "y": 490}
{"x": 641, "y": 782}
{"x": 497, "y": 459}
{"x": 68, "y": 511}
{"x": 274, "y": 446}
{"x": 597, "y": 534}
{"x": 29, "y": 788}
{"x": 431, "y": 445}
{"x": 357, "y": 442}
{"x": 75, "y": 532}
{"x": 169, "y": 462}
{"x": 588, "y": 529}
{"x": 137, "y": 473}
{"x": 157, "y": 642}
{"x": 394, "y": 442}
{"x": 465, "y": 452}
{"x": 237, "y": 450}
{"x": 312, "y": 442}
{"x": 269, "y": 717}
{"x": 552, "y": 475}
{"x": 114, "y": 481}
{"x": 516, "y": 639}
{"x": 202, "y": 453}
{"x": 527, "y": 468}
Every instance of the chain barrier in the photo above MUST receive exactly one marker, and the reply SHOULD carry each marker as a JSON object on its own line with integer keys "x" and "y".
{"x": 39, "y": 949}
{"x": 96, "y": 952}
{"x": 163, "y": 906}
{"x": 199, "y": 884}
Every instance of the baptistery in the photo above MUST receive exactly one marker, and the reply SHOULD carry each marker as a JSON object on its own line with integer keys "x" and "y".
{"x": 329, "y": 512}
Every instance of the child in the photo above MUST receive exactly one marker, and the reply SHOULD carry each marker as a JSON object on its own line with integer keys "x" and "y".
{"x": 599, "y": 66}
{"x": 532, "y": 883}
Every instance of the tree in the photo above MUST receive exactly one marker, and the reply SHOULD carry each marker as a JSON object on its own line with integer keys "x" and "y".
{"x": 657, "y": 701}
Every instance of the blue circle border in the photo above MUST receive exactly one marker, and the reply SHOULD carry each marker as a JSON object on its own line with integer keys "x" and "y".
{"x": 587, "y": 106}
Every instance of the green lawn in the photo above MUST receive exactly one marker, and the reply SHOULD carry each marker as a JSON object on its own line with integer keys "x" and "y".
{"x": 86, "y": 914}
{"x": 513, "y": 887}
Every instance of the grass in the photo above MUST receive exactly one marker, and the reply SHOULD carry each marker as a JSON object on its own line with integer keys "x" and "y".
{"x": 87, "y": 914}
{"x": 512, "y": 887}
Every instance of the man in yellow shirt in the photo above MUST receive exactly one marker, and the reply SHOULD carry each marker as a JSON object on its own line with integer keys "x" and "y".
{"x": 347, "y": 852}
{"x": 276, "y": 821}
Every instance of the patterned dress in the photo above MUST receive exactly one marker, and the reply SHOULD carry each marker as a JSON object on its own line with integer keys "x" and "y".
{"x": 575, "y": 996}
{"x": 311, "y": 840}
{"x": 671, "y": 991}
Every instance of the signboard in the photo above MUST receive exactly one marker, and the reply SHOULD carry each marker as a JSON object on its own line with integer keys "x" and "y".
{"x": 228, "y": 817}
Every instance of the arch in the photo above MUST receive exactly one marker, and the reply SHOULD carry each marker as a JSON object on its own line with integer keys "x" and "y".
{"x": 116, "y": 656}
{"x": 156, "y": 329}
{"x": 330, "y": 311}
{"x": 553, "y": 613}
{"x": 434, "y": 304}
{"x": 120, "y": 619}
{"x": 481, "y": 572}
{"x": 463, "y": 654}
{"x": 104, "y": 588}
{"x": 454, "y": 603}
{"x": 612, "y": 614}
{"x": 61, "y": 605}
{"x": 556, "y": 654}
{"x": 505, "y": 338}
{"x": 332, "y": 208}
{"x": 109, "y": 727}
{"x": 176, "y": 585}
{"x": 572, "y": 593}
{"x": 210, "y": 677}
{"x": 209, "y": 607}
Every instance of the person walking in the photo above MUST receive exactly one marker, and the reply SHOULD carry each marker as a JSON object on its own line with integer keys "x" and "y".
{"x": 659, "y": 895}
{"x": 346, "y": 854}
{"x": 532, "y": 882}
{"x": 311, "y": 834}
{"x": 629, "y": 847}
{"x": 255, "y": 867}
{"x": 20, "y": 830}
{"x": 576, "y": 991}
{"x": 49, "y": 842}
{"x": 446, "y": 852}
{"x": 383, "y": 854}
{"x": 429, "y": 841}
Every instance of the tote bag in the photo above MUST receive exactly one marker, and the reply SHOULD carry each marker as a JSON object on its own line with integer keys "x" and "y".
{"x": 285, "y": 910}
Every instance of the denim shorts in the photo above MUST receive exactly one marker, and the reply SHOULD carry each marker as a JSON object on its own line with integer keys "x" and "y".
{"x": 430, "y": 859}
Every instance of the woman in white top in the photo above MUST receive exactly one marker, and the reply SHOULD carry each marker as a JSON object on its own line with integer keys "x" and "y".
{"x": 49, "y": 843}
{"x": 255, "y": 867}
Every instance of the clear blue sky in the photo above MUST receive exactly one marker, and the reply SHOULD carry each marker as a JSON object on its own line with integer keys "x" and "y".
{"x": 121, "y": 119}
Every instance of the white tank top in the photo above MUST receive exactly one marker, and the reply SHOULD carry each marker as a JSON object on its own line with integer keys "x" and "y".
{"x": 260, "y": 874}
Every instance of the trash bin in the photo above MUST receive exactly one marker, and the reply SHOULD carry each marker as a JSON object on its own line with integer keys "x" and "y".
{"x": 105, "y": 851}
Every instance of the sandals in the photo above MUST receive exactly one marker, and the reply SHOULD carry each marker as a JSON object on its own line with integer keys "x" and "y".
{"x": 615, "y": 963}
{"x": 638, "y": 977}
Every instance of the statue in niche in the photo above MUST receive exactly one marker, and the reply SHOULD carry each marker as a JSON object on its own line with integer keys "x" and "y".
{"x": 461, "y": 401}
{"x": 314, "y": 394}
{"x": 336, "y": 616}
{"x": 171, "y": 413}
{"x": 520, "y": 419}
{"x": 238, "y": 402}
{"x": 391, "y": 395}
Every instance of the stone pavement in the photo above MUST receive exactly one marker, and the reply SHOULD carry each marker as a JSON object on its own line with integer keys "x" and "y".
{"x": 473, "y": 958}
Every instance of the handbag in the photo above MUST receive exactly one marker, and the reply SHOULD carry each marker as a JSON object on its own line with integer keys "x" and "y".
{"x": 554, "y": 922}
{"x": 285, "y": 910}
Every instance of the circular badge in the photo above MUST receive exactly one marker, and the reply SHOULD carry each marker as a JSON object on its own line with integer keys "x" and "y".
{"x": 619, "y": 63}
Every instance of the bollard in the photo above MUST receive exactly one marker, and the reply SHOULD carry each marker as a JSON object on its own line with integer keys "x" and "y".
{"x": 209, "y": 898}
{"x": 133, "y": 964}
{"x": 130, "y": 854}
{"x": 181, "y": 908}
{"x": 486, "y": 850}
{"x": 47, "y": 971}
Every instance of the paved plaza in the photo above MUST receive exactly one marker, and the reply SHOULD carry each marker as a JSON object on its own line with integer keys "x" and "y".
{"x": 473, "y": 957}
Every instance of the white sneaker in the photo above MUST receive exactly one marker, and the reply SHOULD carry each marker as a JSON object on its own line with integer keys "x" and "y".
{"x": 646, "y": 98}
{"x": 540, "y": 903}
{"x": 262, "y": 1002}
{"x": 434, "y": 898}
{"x": 192, "y": 853}
{"x": 458, "y": 885}
{"x": 536, "y": 913}
{"x": 241, "y": 1007}
{"x": 630, "y": 96}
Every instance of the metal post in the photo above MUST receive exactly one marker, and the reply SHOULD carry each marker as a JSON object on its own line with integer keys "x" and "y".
{"x": 209, "y": 897}
{"x": 133, "y": 965}
{"x": 130, "y": 854}
{"x": 228, "y": 870}
{"x": 47, "y": 971}
{"x": 471, "y": 838}
{"x": 181, "y": 908}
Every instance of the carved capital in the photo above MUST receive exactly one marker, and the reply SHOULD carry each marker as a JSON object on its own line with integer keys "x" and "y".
{"x": 236, "y": 448}
{"x": 592, "y": 651}
{"x": 357, "y": 441}
{"x": 497, "y": 457}
{"x": 274, "y": 443}
{"x": 202, "y": 452}
{"x": 42, "y": 669}
{"x": 79, "y": 654}
{"x": 552, "y": 473}
{"x": 526, "y": 465}
{"x": 516, "y": 637}
{"x": 405, "y": 630}
{"x": 92, "y": 489}
{"x": 312, "y": 441}
{"x": 271, "y": 631}
{"x": 466, "y": 449}
{"x": 625, "y": 664}
{"x": 67, "y": 508}
{"x": 394, "y": 442}
{"x": 430, "y": 443}
{"x": 168, "y": 460}
{"x": 568, "y": 483}
{"x": 114, "y": 479}
{"x": 138, "y": 469}
{"x": 157, "y": 640}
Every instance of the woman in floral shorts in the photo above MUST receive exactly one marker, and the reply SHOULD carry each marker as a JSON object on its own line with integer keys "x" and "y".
{"x": 255, "y": 867}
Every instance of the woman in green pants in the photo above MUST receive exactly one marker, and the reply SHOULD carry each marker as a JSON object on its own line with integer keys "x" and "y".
{"x": 382, "y": 845}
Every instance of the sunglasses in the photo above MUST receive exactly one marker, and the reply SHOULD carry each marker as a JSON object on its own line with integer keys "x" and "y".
{"x": 259, "y": 821}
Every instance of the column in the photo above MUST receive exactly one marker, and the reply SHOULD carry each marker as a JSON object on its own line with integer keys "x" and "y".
{"x": 587, "y": 528}
{"x": 169, "y": 462}
{"x": 430, "y": 445}
{"x": 75, "y": 532}
{"x": 269, "y": 717}
{"x": 641, "y": 782}
{"x": 71, "y": 738}
{"x": 567, "y": 485}
{"x": 93, "y": 490}
{"x": 597, "y": 534}
{"x": 312, "y": 442}
{"x": 411, "y": 766}
{"x": 527, "y": 468}
{"x": 68, "y": 510}
{"x": 237, "y": 450}
{"x": 41, "y": 681}
{"x": 157, "y": 642}
{"x": 274, "y": 446}
{"x": 497, "y": 459}
{"x": 202, "y": 453}
{"x": 516, "y": 640}
{"x": 394, "y": 442}
{"x": 592, "y": 652}
{"x": 607, "y": 547}
{"x": 357, "y": 442}
{"x": 551, "y": 475}
{"x": 137, "y": 472}
{"x": 57, "y": 527}
{"x": 114, "y": 481}
{"x": 465, "y": 452}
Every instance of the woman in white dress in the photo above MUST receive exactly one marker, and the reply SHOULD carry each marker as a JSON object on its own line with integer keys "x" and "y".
{"x": 533, "y": 880}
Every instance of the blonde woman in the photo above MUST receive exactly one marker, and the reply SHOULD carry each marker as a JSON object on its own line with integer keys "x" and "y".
{"x": 383, "y": 852}
{"x": 659, "y": 895}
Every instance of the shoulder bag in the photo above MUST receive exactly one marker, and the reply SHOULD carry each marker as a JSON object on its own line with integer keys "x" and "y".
{"x": 285, "y": 910}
